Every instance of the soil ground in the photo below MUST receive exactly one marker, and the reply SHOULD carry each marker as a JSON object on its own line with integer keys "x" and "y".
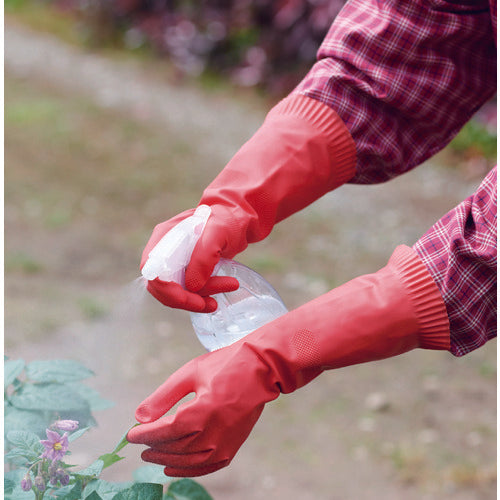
{"x": 98, "y": 149}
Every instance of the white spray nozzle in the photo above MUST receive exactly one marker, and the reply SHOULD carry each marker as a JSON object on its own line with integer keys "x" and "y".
{"x": 169, "y": 258}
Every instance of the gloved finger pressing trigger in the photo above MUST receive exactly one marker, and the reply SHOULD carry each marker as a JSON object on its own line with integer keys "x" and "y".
{"x": 219, "y": 284}
{"x": 211, "y": 246}
{"x": 172, "y": 294}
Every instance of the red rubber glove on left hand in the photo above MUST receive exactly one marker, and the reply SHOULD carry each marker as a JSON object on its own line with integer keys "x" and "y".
{"x": 372, "y": 317}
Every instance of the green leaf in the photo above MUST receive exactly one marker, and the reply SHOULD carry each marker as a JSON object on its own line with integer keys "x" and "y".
{"x": 19, "y": 494}
{"x": 57, "y": 370}
{"x": 11, "y": 370}
{"x": 110, "y": 459}
{"x": 187, "y": 489}
{"x": 113, "y": 457}
{"x": 93, "y": 470}
{"x": 151, "y": 474}
{"x": 14, "y": 476}
{"x": 123, "y": 441}
{"x": 25, "y": 439}
{"x": 20, "y": 420}
{"x": 93, "y": 398}
{"x": 70, "y": 492}
{"x": 19, "y": 457}
{"x": 48, "y": 397}
{"x": 79, "y": 433}
{"x": 105, "y": 489}
{"x": 26, "y": 444}
{"x": 8, "y": 485}
{"x": 94, "y": 496}
{"x": 141, "y": 491}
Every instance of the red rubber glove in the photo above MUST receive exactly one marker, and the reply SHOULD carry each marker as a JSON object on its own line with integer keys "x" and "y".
{"x": 172, "y": 294}
{"x": 302, "y": 151}
{"x": 372, "y": 317}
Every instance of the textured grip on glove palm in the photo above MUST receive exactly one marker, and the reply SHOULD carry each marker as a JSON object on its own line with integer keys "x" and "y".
{"x": 369, "y": 318}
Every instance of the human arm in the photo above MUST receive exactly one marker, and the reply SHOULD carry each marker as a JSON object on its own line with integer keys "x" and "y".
{"x": 439, "y": 295}
{"x": 394, "y": 82}
{"x": 404, "y": 77}
{"x": 302, "y": 151}
{"x": 372, "y": 317}
{"x": 460, "y": 253}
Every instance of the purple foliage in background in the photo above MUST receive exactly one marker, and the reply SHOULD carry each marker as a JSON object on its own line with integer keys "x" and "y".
{"x": 263, "y": 43}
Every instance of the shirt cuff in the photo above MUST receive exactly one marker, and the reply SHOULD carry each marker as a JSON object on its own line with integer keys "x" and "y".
{"x": 328, "y": 123}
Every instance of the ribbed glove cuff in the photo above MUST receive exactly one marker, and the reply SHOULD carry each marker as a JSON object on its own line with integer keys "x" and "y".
{"x": 430, "y": 310}
{"x": 328, "y": 123}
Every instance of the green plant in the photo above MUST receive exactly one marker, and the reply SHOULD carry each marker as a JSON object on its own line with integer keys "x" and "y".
{"x": 475, "y": 140}
{"x": 47, "y": 399}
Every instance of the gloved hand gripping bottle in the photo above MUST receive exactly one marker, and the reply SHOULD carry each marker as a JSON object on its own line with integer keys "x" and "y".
{"x": 251, "y": 306}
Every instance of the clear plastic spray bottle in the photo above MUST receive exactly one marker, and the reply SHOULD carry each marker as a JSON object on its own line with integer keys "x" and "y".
{"x": 254, "y": 304}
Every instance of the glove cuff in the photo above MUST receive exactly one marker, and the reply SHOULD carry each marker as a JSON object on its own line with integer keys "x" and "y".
{"x": 328, "y": 123}
{"x": 428, "y": 304}
{"x": 302, "y": 151}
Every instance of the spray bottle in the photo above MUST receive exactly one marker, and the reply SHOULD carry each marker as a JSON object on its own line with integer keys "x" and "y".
{"x": 251, "y": 306}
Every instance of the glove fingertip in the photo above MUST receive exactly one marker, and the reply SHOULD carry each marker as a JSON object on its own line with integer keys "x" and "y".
{"x": 171, "y": 472}
{"x": 232, "y": 283}
{"x": 146, "y": 456}
{"x": 144, "y": 414}
{"x": 210, "y": 305}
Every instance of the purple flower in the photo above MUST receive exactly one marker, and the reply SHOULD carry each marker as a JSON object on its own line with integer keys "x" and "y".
{"x": 26, "y": 483}
{"x": 66, "y": 425}
{"x": 55, "y": 445}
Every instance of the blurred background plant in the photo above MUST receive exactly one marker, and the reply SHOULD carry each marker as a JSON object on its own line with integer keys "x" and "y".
{"x": 264, "y": 45}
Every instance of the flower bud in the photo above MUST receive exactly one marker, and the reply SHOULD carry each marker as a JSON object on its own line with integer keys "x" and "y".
{"x": 53, "y": 468}
{"x": 64, "y": 480}
{"x": 26, "y": 483}
{"x": 39, "y": 483}
{"x": 66, "y": 425}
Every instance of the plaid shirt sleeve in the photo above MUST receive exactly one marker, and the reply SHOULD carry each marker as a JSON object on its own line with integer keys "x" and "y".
{"x": 405, "y": 77}
{"x": 460, "y": 252}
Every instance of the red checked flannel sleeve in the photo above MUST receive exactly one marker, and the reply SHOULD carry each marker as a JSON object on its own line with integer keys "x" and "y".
{"x": 460, "y": 252}
{"x": 405, "y": 77}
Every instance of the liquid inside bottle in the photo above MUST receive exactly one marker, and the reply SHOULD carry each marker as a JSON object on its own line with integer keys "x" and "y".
{"x": 239, "y": 313}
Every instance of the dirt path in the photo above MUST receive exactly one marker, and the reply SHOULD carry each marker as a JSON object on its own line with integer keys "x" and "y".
{"x": 125, "y": 86}
{"x": 435, "y": 438}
